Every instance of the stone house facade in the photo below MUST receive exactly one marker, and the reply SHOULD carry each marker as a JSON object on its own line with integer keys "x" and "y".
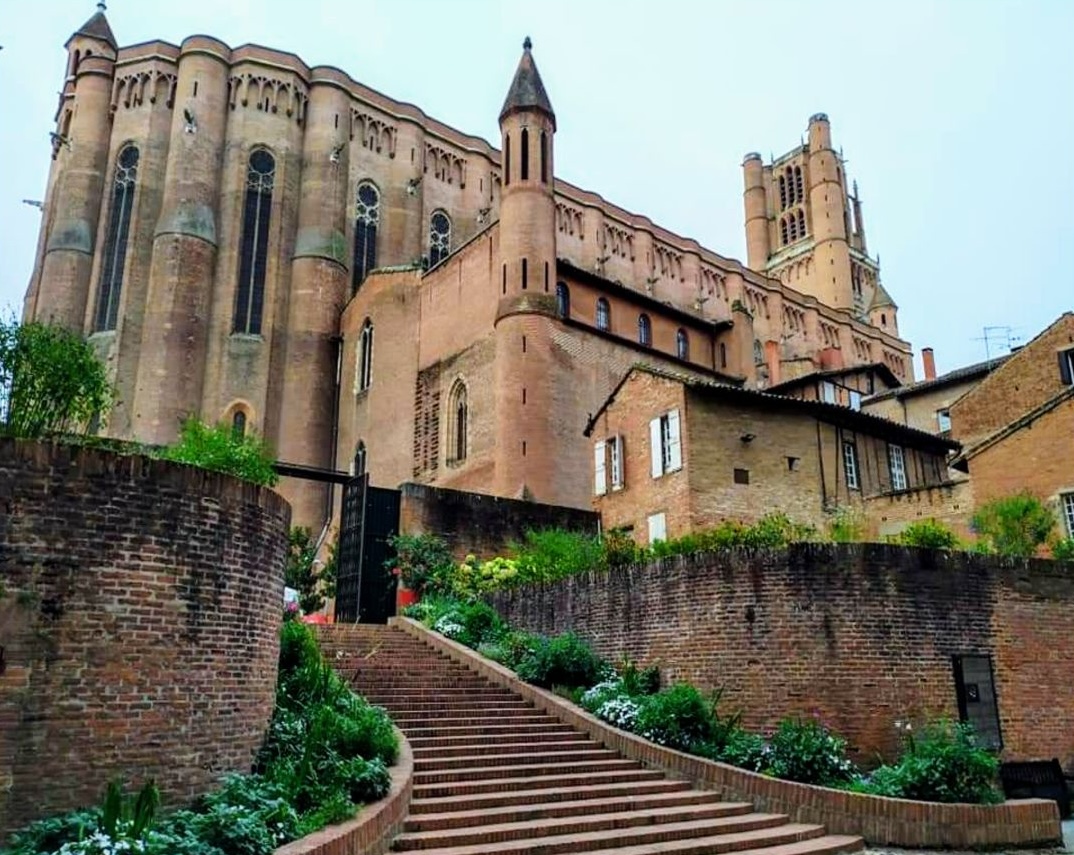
{"x": 674, "y": 453}
{"x": 251, "y": 239}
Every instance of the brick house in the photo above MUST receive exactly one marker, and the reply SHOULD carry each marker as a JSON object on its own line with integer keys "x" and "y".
{"x": 848, "y": 387}
{"x": 1017, "y": 425}
{"x": 674, "y": 452}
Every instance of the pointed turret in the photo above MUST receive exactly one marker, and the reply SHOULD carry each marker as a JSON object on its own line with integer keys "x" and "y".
{"x": 883, "y": 311}
{"x": 527, "y": 92}
{"x": 97, "y": 27}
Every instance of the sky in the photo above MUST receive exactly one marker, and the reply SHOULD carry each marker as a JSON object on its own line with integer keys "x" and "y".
{"x": 956, "y": 118}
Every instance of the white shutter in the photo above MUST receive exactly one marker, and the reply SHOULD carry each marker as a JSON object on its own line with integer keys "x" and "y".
{"x": 600, "y": 479}
{"x": 674, "y": 442}
{"x": 657, "y": 528}
{"x": 615, "y": 446}
{"x": 656, "y": 448}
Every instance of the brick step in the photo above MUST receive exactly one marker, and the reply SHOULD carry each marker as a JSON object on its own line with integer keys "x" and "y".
{"x": 595, "y": 821}
{"x": 484, "y": 734}
{"x": 810, "y": 844}
{"x": 462, "y": 786}
{"x": 753, "y": 831}
{"x": 476, "y": 764}
{"x": 456, "y": 706}
{"x": 452, "y": 690}
{"x": 409, "y": 721}
{"x": 540, "y": 767}
{"x": 419, "y": 685}
{"x": 539, "y": 793}
{"x": 570, "y": 742}
{"x": 580, "y": 807}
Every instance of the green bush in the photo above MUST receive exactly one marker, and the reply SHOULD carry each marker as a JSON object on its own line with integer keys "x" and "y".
{"x": 678, "y": 717}
{"x": 745, "y": 750}
{"x": 846, "y": 525}
{"x": 301, "y": 572}
{"x": 930, "y": 534}
{"x": 565, "y": 660}
{"x": 804, "y": 750}
{"x": 943, "y": 763}
{"x": 1016, "y": 525}
{"x": 48, "y": 835}
{"x": 424, "y": 561}
{"x": 773, "y": 531}
{"x": 1063, "y": 550}
{"x": 57, "y": 383}
{"x": 639, "y": 681}
{"x": 618, "y": 549}
{"x": 471, "y": 623}
{"x": 550, "y": 554}
{"x": 220, "y": 449}
{"x": 510, "y": 648}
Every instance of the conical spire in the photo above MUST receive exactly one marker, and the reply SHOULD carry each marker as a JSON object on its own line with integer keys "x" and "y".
{"x": 97, "y": 28}
{"x": 527, "y": 91}
{"x": 881, "y": 298}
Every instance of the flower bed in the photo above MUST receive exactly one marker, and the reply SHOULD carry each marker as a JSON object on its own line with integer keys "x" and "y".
{"x": 326, "y": 752}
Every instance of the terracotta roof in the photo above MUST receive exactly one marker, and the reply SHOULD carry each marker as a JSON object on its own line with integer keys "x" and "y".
{"x": 97, "y": 28}
{"x": 879, "y": 367}
{"x": 829, "y": 413}
{"x": 527, "y": 91}
{"x": 967, "y": 372}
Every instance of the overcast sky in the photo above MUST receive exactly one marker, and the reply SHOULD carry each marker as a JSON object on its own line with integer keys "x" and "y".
{"x": 956, "y": 118}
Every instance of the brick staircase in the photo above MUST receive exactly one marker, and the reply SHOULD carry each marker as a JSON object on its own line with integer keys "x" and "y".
{"x": 493, "y": 775}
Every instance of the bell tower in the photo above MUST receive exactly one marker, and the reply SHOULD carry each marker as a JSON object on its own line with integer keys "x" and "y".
{"x": 525, "y": 282}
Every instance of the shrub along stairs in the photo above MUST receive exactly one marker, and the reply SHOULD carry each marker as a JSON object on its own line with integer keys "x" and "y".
{"x": 492, "y": 774}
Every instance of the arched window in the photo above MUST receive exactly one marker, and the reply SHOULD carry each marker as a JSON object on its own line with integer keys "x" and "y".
{"x": 359, "y": 459}
{"x": 645, "y": 330}
{"x": 115, "y": 247}
{"x": 563, "y": 300}
{"x": 783, "y": 231}
{"x": 457, "y": 423}
{"x": 544, "y": 157}
{"x": 524, "y": 166}
{"x": 365, "y": 357}
{"x": 782, "y": 193}
{"x": 801, "y": 224}
{"x": 682, "y": 344}
{"x": 238, "y": 425}
{"x": 366, "y": 219}
{"x": 506, "y": 160}
{"x": 792, "y": 225}
{"x": 798, "y": 190}
{"x": 439, "y": 238}
{"x": 789, "y": 175}
{"x": 604, "y": 314}
{"x": 253, "y": 250}
{"x": 758, "y": 352}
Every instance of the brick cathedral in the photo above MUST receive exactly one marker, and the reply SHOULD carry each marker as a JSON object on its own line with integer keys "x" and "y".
{"x": 257, "y": 241}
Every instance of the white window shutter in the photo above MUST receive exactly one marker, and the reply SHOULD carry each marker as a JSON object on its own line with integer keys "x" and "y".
{"x": 674, "y": 442}
{"x": 615, "y": 445}
{"x": 600, "y": 478}
{"x": 657, "y": 528}
{"x": 656, "y": 448}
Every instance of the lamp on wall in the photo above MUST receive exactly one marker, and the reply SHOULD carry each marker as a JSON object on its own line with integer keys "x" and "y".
{"x": 748, "y": 437}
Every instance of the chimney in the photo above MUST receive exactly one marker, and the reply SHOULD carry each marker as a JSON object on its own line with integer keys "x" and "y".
{"x": 929, "y": 362}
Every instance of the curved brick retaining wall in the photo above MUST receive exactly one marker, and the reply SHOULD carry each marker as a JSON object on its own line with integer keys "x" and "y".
{"x": 139, "y": 624}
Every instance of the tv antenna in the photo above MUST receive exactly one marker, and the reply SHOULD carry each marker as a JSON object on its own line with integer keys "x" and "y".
{"x": 998, "y": 340}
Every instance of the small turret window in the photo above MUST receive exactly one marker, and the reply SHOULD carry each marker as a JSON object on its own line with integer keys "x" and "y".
{"x": 799, "y": 195}
{"x": 366, "y": 220}
{"x": 439, "y": 238}
{"x": 253, "y": 250}
{"x": 524, "y": 166}
{"x": 645, "y": 330}
{"x": 115, "y": 248}
{"x": 604, "y": 314}
{"x": 238, "y": 425}
{"x": 682, "y": 344}
{"x": 544, "y": 157}
{"x": 563, "y": 300}
{"x": 506, "y": 159}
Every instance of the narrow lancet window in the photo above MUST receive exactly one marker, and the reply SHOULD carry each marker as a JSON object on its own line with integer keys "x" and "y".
{"x": 253, "y": 250}
{"x": 115, "y": 247}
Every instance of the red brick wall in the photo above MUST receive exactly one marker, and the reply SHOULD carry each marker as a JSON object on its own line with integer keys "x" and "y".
{"x": 138, "y": 621}
{"x": 861, "y": 634}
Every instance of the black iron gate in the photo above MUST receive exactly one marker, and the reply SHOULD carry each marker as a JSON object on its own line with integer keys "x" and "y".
{"x": 365, "y": 587}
